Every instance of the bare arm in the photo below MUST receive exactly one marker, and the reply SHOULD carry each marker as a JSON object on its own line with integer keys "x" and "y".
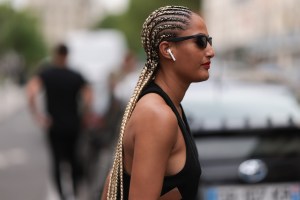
{"x": 32, "y": 91}
{"x": 90, "y": 119}
{"x": 87, "y": 97}
{"x": 155, "y": 130}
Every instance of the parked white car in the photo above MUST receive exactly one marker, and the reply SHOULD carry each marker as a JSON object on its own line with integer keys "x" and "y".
{"x": 248, "y": 139}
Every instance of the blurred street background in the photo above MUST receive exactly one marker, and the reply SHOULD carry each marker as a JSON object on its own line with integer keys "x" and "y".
{"x": 254, "y": 41}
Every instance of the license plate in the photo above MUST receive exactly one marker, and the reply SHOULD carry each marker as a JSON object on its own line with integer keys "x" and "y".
{"x": 287, "y": 191}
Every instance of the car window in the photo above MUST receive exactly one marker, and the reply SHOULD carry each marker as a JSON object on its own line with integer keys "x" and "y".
{"x": 236, "y": 106}
{"x": 237, "y": 148}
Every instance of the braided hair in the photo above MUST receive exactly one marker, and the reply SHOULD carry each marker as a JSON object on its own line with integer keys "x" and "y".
{"x": 163, "y": 23}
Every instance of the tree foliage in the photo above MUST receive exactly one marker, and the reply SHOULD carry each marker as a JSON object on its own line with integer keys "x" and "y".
{"x": 20, "y": 33}
{"x": 130, "y": 22}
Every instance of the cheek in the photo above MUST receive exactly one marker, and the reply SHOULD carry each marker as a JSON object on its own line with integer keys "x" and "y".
{"x": 192, "y": 53}
{"x": 189, "y": 62}
{"x": 196, "y": 71}
{"x": 194, "y": 59}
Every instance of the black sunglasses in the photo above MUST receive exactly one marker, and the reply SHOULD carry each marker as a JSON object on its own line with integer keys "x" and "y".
{"x": 201, "y": 40}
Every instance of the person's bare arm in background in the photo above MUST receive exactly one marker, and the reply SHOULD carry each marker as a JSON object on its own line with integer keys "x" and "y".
{"x": 90, "y": 118}
{"x": 33, "y": 89}
{"x": 87, "y": 97}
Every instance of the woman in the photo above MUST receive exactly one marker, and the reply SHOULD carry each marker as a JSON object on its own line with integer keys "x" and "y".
{"x": 156, "y": 157}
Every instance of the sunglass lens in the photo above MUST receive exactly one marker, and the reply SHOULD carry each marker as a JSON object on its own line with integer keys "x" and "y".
{"x": 202, "y": 42}
{"x": 210, "y": 41}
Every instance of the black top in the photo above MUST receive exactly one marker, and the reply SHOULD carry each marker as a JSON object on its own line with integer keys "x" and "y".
{"x": 187, "y": 180}
{"x": 62, "y": 87}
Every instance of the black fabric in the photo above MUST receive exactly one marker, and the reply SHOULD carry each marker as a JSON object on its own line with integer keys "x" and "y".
{"x": 64, "y": 150}
{"x": 62, "y": 88}
{"x": 187, "y": 180}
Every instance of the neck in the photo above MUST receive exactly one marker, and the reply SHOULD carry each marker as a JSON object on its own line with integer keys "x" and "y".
{"x": 60, "y": 64}
{"x": 60, "y": 61}
{"x": 174, "y": 89}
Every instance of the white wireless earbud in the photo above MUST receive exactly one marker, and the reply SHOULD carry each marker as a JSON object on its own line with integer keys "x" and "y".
{"x": 171, "y": 54}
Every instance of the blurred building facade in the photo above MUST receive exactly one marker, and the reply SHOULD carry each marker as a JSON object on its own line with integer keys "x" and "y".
{"x": 58, "y": 18}
{"x": 262, "y": 37}
{"x": 244, "y": 21}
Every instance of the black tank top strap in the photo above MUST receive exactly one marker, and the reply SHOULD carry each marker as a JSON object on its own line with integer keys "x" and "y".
{"x": 185, "y": 120}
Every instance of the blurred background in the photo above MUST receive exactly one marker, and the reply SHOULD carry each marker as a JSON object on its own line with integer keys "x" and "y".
{"x": 256, "y": 41}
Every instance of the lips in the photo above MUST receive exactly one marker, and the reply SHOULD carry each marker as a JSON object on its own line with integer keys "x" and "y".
{"x": 206, "y": 65}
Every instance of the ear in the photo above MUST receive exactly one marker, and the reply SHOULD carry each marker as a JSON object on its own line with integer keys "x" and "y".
{"x": 163, "y": 49}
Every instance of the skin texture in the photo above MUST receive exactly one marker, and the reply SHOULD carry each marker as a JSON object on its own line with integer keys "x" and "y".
{"x": 153, "y": 144}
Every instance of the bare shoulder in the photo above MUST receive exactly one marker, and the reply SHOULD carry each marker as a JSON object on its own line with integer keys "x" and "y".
{"x": 152, "y": 117}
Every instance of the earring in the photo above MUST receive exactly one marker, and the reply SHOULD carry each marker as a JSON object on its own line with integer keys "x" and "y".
{"x": 171, "y": 54}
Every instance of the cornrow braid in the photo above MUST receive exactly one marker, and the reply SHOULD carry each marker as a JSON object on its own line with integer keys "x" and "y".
{"x": 161, "y": 24}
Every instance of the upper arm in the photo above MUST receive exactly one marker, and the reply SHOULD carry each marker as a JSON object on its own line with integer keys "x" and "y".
{"x": 33, "y": 87}
{"x": 155, "y": 136}
{"x": 87, "y": 92}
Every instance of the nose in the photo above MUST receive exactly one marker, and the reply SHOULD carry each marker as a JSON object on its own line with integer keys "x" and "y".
{"x": 210, "y": 52}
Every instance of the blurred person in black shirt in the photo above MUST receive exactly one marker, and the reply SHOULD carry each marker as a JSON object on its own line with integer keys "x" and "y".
{"x": 68, "y": 98}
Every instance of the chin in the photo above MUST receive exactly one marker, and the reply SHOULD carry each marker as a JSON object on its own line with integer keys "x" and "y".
{"x": 202, "y": 78}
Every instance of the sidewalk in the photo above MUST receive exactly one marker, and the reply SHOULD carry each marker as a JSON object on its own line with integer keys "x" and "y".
{"x": 12, "y": 98}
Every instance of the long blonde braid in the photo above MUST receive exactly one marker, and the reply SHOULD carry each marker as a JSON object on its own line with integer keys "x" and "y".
{"x": 161, "y": 24}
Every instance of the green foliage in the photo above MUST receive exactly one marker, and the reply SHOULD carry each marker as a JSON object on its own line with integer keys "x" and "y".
{"x": 130, "y": 22}
{"x": 19, "y": 32}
